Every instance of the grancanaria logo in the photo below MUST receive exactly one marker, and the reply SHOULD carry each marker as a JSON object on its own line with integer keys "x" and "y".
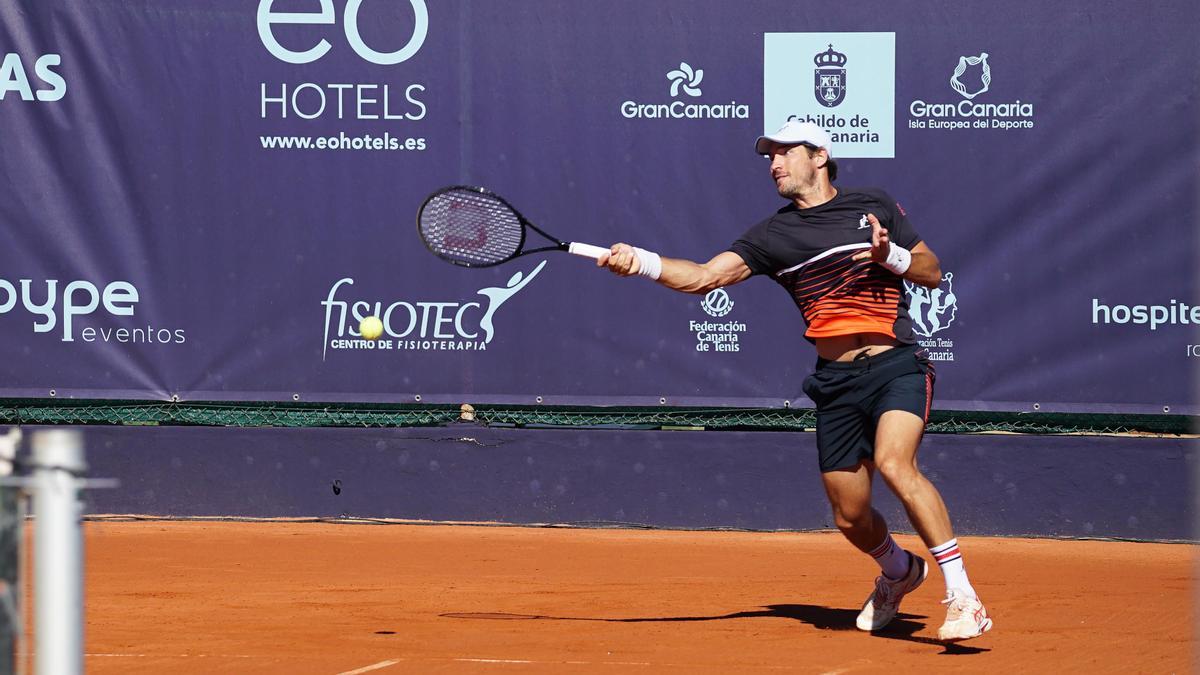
{"x": 985, "y": 77}
{"x": 685, "y": 74}
{"x": 972, "y": 77}
{"x": 687, "y": 79}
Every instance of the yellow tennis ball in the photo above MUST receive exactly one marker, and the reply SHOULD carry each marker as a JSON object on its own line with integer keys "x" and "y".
{"x": 370, "y": 328}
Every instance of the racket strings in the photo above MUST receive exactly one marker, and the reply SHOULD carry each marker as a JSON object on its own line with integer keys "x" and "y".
{"x": 470, "y": 228}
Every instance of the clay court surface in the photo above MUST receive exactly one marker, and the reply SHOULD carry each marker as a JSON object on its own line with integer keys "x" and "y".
{"x": 205, "y": 597}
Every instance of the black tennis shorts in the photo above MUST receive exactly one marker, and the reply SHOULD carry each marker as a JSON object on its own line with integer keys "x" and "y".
{"x": 852, "y": 395}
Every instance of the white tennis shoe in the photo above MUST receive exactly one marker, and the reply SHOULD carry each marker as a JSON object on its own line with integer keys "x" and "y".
{"x": 965, "y": 617}
{"x": 882, "y": 605}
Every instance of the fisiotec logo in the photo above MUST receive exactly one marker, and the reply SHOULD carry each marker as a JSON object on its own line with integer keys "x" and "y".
{"x": 340, "y": 100}
{"x": 14, "y": 77}
{"x": 79, "y": 299}
{"x": 688, "y": 79}
{"x": 972, "y": 76}
{"x": 830, "y": 77}
{"x": 1146, "y": 315}
{"x": 419, "y": 325}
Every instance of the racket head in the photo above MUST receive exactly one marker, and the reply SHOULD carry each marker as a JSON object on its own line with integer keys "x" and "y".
{"x": 470, "y": 226}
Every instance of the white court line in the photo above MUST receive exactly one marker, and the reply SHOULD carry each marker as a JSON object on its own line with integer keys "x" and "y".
{"x": 373, "y": 666}
{"x": 173, "y": 655}
{"x": 573, "y": 663}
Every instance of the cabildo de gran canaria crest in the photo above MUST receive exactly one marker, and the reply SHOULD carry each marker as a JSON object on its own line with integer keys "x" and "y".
{"x": 829, "y": 77}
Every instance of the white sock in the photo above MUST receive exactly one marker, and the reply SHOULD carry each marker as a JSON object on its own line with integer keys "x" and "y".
{"x": 949, "y": 558}
{"x": 892, "y": 559}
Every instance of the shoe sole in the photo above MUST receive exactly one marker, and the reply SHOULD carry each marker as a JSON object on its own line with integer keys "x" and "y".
{"x": 987, "y": 625}
{"x": 924, "y": 574}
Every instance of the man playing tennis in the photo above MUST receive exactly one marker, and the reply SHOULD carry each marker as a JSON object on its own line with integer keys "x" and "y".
{"x": 842, "y": 254}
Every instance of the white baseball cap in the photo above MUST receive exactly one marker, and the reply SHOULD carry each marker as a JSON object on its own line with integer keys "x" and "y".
{"x": 795, "y": 132}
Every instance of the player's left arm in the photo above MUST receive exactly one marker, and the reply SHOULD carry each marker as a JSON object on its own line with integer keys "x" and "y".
{"x": 918, "y": 265}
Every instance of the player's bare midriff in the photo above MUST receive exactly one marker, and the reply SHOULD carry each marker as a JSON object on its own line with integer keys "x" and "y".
{"x": 850, "y": 347}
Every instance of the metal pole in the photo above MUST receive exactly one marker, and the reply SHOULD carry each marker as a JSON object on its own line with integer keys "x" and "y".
{"x": 58, "y": 552}
{"x": 12, "y": 530}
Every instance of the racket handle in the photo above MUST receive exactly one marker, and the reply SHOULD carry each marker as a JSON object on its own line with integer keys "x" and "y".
{"x": 586, "y": 250}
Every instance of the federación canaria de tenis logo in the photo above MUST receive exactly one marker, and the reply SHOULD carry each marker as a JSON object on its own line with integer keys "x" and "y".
{"x": 685, "y": 86}
{"x": 932, "y": 311}
{"x": 717, "y": 336}
{"x": 717, "y": 303}
{"x": 830, "y": 77}
{"x": 686, "y": 77}
{"x": 419, "y": 325}
{"x": 970, "y": 79}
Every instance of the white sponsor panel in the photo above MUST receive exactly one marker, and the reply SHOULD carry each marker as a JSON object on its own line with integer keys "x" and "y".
{"x": 418, "y": 325}
{"x": 843, "y": 82}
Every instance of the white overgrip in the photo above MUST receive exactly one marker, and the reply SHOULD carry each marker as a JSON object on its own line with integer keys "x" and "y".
{"x": 586, "y": 250}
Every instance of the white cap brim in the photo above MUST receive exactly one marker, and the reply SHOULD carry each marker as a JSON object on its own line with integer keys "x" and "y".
{"x": 795, "y": 133}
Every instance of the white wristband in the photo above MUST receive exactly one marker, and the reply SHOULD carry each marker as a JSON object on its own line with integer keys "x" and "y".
{"x": 898, "y": 260}
{"x": 649, "y": 263}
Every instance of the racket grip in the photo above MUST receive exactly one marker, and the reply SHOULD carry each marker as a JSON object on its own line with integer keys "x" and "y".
{"x": 586, "y": 250}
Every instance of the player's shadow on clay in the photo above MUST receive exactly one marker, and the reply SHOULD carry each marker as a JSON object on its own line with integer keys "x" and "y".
{"x": 903, "y": 627}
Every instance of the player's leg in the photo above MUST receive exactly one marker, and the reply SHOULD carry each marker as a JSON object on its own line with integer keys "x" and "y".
{"x": 899, "y": 429}
{"x": 844, "y": 443}
{"x": 849, "y": 492}
{"x": 897, "y": 436}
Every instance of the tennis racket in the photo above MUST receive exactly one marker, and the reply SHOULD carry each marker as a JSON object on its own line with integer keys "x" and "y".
{"x": 475, "y": 227}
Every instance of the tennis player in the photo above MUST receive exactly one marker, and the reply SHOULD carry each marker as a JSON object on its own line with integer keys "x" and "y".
{"x": 842, "y": 255}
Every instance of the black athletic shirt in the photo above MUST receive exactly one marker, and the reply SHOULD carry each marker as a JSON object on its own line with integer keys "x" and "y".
{"x": 809, "y": 251}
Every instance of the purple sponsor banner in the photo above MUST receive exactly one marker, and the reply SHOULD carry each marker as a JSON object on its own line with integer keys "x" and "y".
{"x": 200, "y": 199}
{"x": 1062, "y": 486}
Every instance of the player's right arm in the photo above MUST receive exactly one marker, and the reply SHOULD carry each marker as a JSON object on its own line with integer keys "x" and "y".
{"x": 725, "y": 269}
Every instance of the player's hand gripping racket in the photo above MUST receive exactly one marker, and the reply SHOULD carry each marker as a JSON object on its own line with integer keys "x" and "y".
{"x": 475, "y": 227}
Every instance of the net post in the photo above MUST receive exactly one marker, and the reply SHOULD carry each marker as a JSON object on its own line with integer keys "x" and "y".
{"x": 58, "y": 460}
{"x": 12, "y": 530}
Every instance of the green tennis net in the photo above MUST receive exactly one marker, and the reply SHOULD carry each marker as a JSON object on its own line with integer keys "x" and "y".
{"x": 268, "y": 414}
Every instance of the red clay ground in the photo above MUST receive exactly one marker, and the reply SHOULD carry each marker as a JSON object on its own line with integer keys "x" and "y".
{"x": 193, "y": 597}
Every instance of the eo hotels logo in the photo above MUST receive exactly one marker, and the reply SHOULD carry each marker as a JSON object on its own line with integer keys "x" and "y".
{"x": 43, "y": 84}
{"x": 850, "y": 91}
{"x": 717, "y": 336}
{"x": 685, "y": 80}
{"x": 932, "y": 311}
{"x": 375, "y": 109}
{"x": 412, "y": 325}
{"x": 971, "y": 79}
